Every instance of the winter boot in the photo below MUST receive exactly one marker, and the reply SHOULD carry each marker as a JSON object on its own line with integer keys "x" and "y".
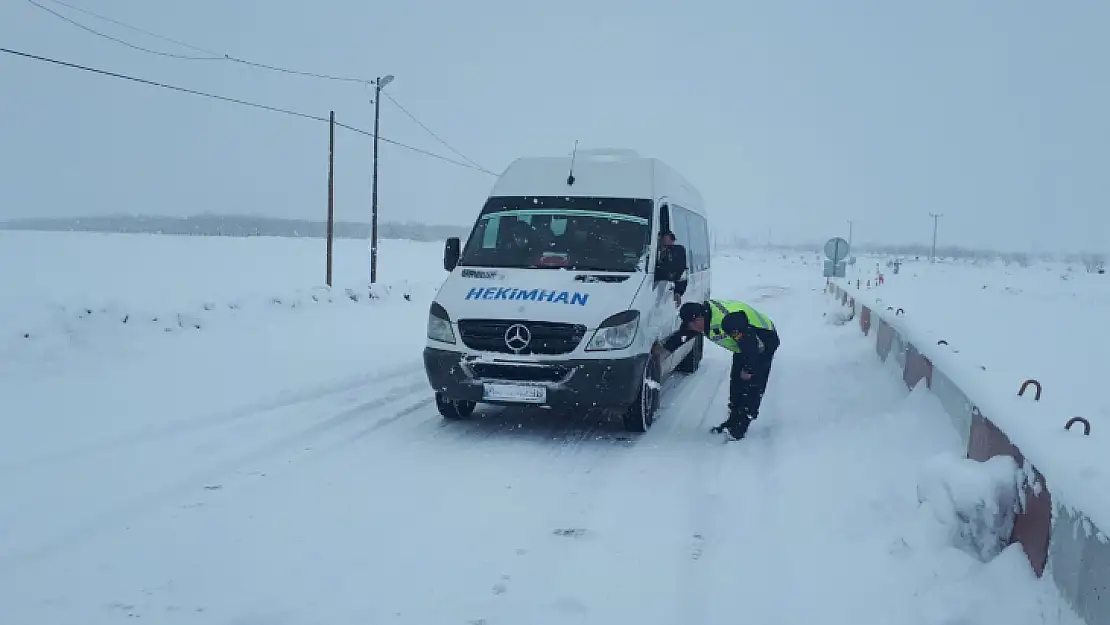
{"x": 739, "y": 428}
{"x": 725, "y": 424}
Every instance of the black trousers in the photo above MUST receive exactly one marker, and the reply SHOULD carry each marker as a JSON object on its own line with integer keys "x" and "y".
{"x": 746, "y": 396}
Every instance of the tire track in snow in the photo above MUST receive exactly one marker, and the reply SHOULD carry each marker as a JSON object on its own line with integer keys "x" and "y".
{"x": 556, "y": 438}
{"x": 704, "y": 503}
{"x": 746, "y": 501}
{"x": 377, "y": 425}
{"x": 623, "y": 498}
{"x": 585, "y": 443}
{"x": 218, "y": 419}
{"x": 115, "y": 517}
{"x": 635, "y": 517}
{"x": 537, "y": 461}
{"x": 565, "y": 455}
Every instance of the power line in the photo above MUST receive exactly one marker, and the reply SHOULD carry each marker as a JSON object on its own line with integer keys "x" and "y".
{"x": 216, "y": 56}
{"x": 417, "y": 150}
{"x": 267, "y": 107}
{"x": 429, "y": 130}
{"x": 121, "y": 41}
{"x": 124, "y": 25}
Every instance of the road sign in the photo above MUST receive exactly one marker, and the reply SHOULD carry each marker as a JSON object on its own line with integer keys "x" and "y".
{"x": 836, "y": 249}
{"x": 834, "y": 270}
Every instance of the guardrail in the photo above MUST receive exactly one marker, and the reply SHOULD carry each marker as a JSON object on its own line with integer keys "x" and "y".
{"x": 1057, "y": 537}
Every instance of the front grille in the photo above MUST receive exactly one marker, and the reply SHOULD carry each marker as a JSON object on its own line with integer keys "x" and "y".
{"x": 548, "y": 338}
{"x": 519, "y": 374}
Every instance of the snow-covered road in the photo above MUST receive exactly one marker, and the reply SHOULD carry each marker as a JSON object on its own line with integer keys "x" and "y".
{"x": 354, "y": 502}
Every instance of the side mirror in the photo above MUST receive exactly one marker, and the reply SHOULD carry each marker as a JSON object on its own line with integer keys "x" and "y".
{"x": 451, "y": 253}
{"x": 672, "y": 264}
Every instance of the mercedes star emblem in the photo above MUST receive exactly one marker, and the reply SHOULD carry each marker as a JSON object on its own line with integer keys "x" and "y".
{"x": 517, "y": 337}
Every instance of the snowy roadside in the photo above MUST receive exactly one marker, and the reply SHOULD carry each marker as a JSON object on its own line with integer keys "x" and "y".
{"x": 987, "y": 312}
{"x": 972, "y": 324}
{"x": 150, "y": 332}
{"x": 352, "y": 501}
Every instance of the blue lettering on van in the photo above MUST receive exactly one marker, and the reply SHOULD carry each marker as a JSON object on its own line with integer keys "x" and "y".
{"x": 533, "y": 295}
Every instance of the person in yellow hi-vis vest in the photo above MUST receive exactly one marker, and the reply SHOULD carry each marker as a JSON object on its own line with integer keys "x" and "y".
{"x": 750, "y": 336}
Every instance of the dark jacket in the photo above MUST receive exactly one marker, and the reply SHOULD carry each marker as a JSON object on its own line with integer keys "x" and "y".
{"x": 675, "y": 256}
{"x": 757, "y": 348}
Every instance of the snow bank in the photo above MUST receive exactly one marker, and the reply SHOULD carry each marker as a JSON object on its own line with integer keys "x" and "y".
{"x": 148, "y": 333}
{"x": 975, "y": 501}
{"x": 837, "y": 315}
{"x": 1065, "y": 473}
{"x": 74, "y": 320}
{"x": 991, "y": 328}
{"x": 980, "y": 309}
{"x": 84, "y": 288}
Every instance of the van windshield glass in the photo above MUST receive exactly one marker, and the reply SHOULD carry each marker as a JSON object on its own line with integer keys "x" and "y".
{"x": 577, "y": 233}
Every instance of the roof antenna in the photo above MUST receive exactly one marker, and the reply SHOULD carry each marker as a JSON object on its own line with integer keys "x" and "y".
{"x": 570, "y": 177}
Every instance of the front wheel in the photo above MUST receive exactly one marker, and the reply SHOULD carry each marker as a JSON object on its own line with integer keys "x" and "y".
{"x": 454, "y": 409}
{"x": 641, "y": 414}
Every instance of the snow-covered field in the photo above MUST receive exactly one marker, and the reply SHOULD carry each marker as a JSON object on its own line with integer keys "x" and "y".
{"x": 284, "y": 464}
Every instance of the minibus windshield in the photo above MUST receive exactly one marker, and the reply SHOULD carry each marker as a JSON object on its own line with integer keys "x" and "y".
{"x": 576, "y": 233}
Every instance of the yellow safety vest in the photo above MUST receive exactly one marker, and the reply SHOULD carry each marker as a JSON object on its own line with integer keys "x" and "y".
{"x": 721, "y": 307}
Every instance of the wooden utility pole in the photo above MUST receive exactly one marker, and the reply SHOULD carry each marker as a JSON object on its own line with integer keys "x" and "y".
{"x": 331, "y": 193}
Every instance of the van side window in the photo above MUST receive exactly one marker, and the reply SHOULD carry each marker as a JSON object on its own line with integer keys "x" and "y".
{"x": 707, "y": 249}
{"x": 691, "y": 231}
{"x": 703, "y": 242}
{"x": 681, "y": 232}
{"x": 694, "y": 225}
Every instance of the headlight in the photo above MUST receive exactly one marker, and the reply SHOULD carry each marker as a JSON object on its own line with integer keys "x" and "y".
{"x": 616, "y": 332}
{"x": 439, "y": 325}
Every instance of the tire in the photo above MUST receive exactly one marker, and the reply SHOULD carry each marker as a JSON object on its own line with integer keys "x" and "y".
{"x": 641, "y": 414}
{"x": 692, "y": 362}
{"x": 454, "y": 409}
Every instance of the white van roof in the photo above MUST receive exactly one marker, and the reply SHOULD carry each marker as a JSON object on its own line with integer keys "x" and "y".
{"x": 597, "y": 173}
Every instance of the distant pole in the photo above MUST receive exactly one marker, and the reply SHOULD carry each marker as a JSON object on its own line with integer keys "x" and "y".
{"x": 331, "y": 193}
{"x": 379, "y": 84}
{"x": 849, "y": 235}
{"x": 933, "y": 255}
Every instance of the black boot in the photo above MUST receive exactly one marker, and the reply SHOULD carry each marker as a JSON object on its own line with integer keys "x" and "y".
{"x": 739, "y": 428}
{"x": 724, "y": 425}
{"x": 727, "y": 422}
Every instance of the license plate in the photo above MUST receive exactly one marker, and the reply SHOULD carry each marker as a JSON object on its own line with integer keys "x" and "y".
{"x": 515, "y": 393}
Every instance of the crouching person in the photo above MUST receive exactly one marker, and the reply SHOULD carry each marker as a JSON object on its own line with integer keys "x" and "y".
{"x": 750, "y": 336}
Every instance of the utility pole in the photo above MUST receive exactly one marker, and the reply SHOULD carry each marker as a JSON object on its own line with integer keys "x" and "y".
{"x": 850, "y": 222}
{"x": 936, "y": 217}
{"x": 331, "y": 195}
{"x": 379, "y": 84}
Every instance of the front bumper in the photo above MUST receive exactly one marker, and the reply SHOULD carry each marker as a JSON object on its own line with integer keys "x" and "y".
{"x": 586, "y": 383}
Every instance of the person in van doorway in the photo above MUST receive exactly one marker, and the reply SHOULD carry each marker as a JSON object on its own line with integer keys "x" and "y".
{"x": 750, "y": 336}
{"x": 666, "y": 249}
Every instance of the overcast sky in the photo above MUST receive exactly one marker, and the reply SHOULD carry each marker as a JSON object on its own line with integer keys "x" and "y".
{"x": 791, "y": 117}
